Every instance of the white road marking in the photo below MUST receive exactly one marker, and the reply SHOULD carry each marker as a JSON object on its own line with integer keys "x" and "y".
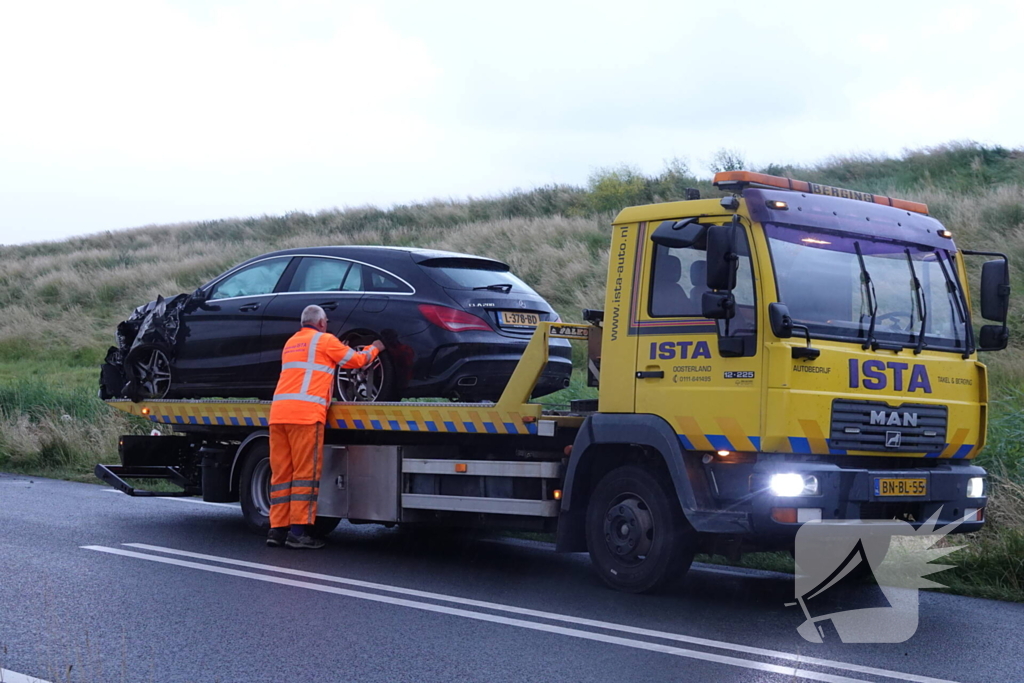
{"x": 15, "y": 677}
{"x": 481, "y": 616}
{"x": 551, "y": 616}
{"x": 181, "y": 500}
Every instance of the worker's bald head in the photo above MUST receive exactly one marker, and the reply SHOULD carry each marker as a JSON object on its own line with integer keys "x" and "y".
{"x": 312, "y": 316}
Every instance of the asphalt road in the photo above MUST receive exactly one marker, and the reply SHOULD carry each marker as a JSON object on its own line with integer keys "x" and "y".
{"x": 97, "y": 586}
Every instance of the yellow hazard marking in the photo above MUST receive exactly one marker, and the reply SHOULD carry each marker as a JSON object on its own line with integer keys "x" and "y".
{"x": 692, "y": 431}
{"x": 958, "y": 440}
{"x": 815, "y": 438}
{"x": 734, "y": 432}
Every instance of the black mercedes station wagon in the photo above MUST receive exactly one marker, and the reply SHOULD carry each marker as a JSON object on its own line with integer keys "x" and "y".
{"x": 454, "y": 326}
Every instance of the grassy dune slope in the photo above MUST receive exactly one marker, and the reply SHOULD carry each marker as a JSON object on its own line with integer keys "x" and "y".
{"x": 60, "y": 301}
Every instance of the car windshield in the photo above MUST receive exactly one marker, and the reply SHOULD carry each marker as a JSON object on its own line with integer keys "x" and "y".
{"x": 832, "y": 282}
{"x": 479, "y": 275}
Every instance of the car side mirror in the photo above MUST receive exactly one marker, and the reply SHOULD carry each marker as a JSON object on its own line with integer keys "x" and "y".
{"x": 200, "y": 295}
{"x": 681, "y": 234}
{"x": 718, "y": 305}
{"x": 722, "y": 258}
{"x": 995, "y": 290}
{"x": 780, "y": 320}
{"x": 993, "y": 337}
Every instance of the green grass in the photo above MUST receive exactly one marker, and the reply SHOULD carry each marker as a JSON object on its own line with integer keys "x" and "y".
{"x": 60, "y": 301}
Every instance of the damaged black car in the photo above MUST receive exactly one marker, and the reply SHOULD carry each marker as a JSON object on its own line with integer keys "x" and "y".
{"x": 454, "y": 326}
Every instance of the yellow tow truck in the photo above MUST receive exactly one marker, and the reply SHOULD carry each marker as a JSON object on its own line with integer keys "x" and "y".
{"x": 787, "y": 353}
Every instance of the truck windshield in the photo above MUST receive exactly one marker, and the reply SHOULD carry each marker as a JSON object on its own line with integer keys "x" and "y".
{"x": 830, "y": 288}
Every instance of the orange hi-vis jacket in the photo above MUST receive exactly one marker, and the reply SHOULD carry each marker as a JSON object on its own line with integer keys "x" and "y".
{"x": 308, "y": 364}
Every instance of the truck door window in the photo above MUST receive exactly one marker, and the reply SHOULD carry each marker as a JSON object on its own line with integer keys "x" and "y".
{"x": 679, "y": 279}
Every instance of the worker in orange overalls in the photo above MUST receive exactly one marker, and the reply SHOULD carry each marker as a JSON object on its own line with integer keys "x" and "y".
{"x": 297, "y": 418}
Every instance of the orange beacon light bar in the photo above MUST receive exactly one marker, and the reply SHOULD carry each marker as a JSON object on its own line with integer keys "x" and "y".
{"x": 738, "y": 179}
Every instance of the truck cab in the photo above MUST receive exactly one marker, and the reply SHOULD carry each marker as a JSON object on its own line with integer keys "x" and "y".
{"x": 811, "y": 351}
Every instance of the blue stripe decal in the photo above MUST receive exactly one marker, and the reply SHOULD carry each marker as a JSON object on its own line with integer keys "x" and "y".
{"x": 220, "y": 420}
{"x": 342, "y": 424}
{"x": 756, "y": 441}
{"x": 358, "y": 423}
{"x": 263, "y": 422}
{"x": 234, "y": 421}
{"x": 686, "y": 443}
{"x": 470, "y": 427}
{"x": 206, "y": 420}
{"x": 431, "y": 426}
{"x": 192, "y": 420}
{"x": 450, "y": 427}
{"x": 412, "y": 425}
{"x": 837, "y": 451}
{"x": 510, "y": 427}
{"x": 167, "y": 418}
{"x": 491, "y": 429}
{"x": 719, "y": 442}
{"x": 799, "y": 444}
{"x": 963, "y": 450}
{"x": 248, "y": 422}
{"x": 179, "y": 419}
{"x": 394, "y": 424}
{"x": 376, "y": 424}
{"x": 933, "y": 455}
{"x": 531, "y": 428}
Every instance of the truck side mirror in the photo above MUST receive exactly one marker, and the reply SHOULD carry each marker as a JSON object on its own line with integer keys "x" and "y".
{"x": 722, "y": 258}
{"x": 995, "y": 291}
{"x": 718, "y": 305}
{"x": 780, "y": 320}
{"x": 993, "y": 337}
{"x": 681, "y": 234}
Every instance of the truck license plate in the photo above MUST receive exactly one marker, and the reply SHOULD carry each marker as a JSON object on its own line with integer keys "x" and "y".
{"x": 900, "y": 487}
{"x": 517, "y": 319}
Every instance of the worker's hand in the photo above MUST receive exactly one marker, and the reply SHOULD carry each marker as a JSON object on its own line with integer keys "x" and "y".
{"x": 379, "y": 345}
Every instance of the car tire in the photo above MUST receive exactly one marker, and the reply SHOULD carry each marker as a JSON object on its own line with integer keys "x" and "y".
{"x": 149, "y": 372}
{"x": 638, "y": 538}
{"x": 361, "y": 386}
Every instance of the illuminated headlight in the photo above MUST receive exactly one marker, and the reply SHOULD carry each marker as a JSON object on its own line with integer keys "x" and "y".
{"x": 788, "y": 485}
{"x": 976, "y": 487}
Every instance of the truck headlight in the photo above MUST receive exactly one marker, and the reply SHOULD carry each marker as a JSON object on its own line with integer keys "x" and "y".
{"x": 791, "y": 484}
{"x": 976, "y": 487}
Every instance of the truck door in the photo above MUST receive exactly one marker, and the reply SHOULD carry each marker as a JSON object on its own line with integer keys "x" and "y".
{"x": 710, "y": 398}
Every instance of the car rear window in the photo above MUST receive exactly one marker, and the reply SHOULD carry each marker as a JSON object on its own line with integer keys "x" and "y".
{"x": 468, "y": 274}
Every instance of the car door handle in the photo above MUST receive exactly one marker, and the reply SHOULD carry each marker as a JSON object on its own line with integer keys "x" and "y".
{"x": 329, "y": 306}
{"x": 249, "y": 307}
{"x": 650, "y": 374}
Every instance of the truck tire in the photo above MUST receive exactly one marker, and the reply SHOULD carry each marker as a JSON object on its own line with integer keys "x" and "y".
{"x": 638, "y": 538}
{"x": 254, "y": 493}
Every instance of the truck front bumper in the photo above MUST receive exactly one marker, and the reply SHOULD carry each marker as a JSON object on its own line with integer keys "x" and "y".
{"x": 849, "y": 493}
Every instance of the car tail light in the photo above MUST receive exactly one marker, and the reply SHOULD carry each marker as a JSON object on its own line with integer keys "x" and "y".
{"x": 453, "y": 319}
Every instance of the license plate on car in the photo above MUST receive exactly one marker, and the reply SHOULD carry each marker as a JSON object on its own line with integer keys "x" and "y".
{"x": 900, "y": 487}
{"x": 517, "y": 319}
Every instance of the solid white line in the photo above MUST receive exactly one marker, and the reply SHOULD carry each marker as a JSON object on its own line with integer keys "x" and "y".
{"x": 180, "y": 500}
{"x": 15, "y": 677}
{"x": 551, "y": 616}
{"x": 480, "y": 616}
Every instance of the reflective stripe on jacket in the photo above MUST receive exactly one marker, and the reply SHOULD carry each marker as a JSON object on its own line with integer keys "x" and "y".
{"x": 308, "y": 363}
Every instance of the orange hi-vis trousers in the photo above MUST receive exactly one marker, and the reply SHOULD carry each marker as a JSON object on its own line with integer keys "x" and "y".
{"x": 296, "y": 458}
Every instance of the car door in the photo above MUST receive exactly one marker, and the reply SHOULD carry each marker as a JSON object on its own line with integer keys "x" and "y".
{"x": 317, "y": 280}
{"x": 221, "y": 341}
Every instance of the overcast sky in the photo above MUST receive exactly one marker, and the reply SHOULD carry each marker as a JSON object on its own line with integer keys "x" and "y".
{"x": 122, "y": 113}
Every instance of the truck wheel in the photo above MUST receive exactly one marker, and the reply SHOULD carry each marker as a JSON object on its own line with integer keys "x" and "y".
{"x": 254, "y": 493}
{"x": 637, "y": 536}
{"x": 254, "y": 487}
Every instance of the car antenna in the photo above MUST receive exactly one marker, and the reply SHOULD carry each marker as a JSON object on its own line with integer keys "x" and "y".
{"x": 869, "y": 287}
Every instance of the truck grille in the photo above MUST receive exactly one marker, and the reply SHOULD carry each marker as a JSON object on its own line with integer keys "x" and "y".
{"x": 877, "y": 426}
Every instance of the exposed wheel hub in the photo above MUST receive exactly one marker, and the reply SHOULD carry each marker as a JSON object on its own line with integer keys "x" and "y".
{"x": 629, "y": 529}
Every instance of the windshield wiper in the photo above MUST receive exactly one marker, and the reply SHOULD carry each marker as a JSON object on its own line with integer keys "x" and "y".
{"x": 505, "y": 287}
{"x": 957, "y": 304}
{"x": 919, "y": 294}
{"x": 869, "y": 288}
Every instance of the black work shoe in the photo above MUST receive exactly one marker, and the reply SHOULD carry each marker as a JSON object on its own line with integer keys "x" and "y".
{"x": 305, "y": 541}
{"x": 276, "y": 538}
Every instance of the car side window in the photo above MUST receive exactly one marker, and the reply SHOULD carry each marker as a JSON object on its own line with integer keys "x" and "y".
{"x": 378, "y": 281}
{"x": 319, "y": 275}
{"x": 354, "y": 279}
{"x": 259, "y": 278}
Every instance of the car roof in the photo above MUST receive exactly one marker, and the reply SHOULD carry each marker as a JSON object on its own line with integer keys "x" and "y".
{"x": 376, "y": 254}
